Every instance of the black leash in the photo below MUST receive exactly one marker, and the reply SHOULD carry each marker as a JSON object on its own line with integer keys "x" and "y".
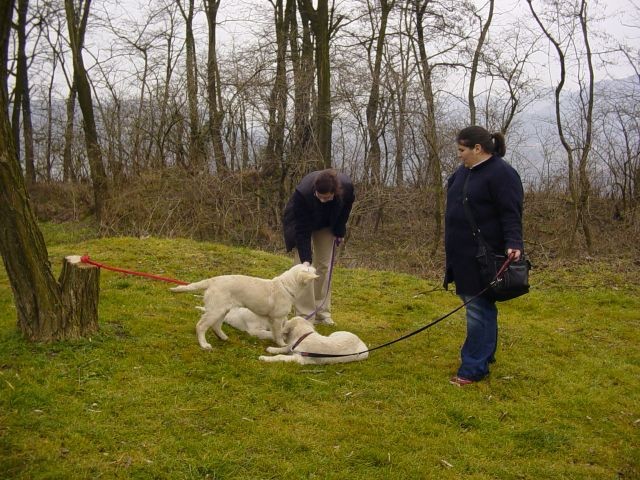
{"x": 411, "y": 334}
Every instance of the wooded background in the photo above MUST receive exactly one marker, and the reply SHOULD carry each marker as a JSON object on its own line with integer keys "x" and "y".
{"x": 151, "y": 120}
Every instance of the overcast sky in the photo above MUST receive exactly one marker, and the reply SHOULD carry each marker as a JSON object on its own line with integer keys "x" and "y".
{"x": 622, "y": 22}
{"x": 239, "y": 18}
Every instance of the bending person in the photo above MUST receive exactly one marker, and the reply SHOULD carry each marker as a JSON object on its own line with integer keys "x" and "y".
{"x": 315, "y": 217}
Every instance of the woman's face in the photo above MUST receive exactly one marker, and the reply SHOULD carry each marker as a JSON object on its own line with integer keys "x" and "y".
{"x": 325, "y": 197}
{"x": 471, "y": 155}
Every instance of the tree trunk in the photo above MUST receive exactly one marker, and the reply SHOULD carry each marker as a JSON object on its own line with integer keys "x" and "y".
{"x": 302, "y": 60}
{"x": 68, "y": 172}
{"x": 431, "y": 131}
{"x": 25, "y": 104}
{"x": 278, "y": 98}
{"x": 22, "y": 102}
{"x": 399, "y": 87}
{"x": 197, "y": 154}
{"x": 275, "y": 167}
{"x": 214, "y": 89}
{"x": 165, "y": 123}
{"x": 585, "y": 185}
{"x": 373, "y": 105}
{"x": 48, "y": 155}
{"x": 319, "y": 21}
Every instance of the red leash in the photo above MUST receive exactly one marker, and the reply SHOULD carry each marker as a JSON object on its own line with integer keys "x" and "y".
{"x": 87, "y": 260}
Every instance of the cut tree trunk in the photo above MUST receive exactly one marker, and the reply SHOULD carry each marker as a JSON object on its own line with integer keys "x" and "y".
{"x": 80, "y": 284}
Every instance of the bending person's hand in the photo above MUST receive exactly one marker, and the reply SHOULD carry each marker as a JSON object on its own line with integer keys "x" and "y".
{"x": 514, "y": 254}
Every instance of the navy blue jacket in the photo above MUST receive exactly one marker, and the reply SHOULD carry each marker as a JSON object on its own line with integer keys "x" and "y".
{"x": 495, "y": 195}
{"x": 305, "y": 214}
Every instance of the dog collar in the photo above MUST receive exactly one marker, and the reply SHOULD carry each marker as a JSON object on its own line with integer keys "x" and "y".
{"x": 300, "y": 340}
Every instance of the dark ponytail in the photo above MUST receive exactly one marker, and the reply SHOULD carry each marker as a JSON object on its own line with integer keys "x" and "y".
{"x": 490, "y": 142}
{"x": 499, "y": 144}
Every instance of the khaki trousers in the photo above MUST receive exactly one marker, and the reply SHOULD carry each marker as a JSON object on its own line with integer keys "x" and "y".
{"x": 314, "y": 293}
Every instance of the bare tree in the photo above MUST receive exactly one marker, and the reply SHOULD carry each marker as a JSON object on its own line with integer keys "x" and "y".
{"x": 579, "y": 185}
{"x": 484, "y": 30}
{"x": 132, "y": 134}
{"x": 197, "y": 158}
{"x": 55, "y": 37}
{"x": 214, "y": 88}
{"x": 511, "y": 88}
{"x": 430, "y": 128}
{"x": 398, "y": 80}
{"x": 323, "y": 24}
{"x": 161, "y": 93}
{"x": 373, "y": 105}
{"x": 77, "y": 24}
{"x": 617, "y": 145}
{"x": 22, "y": 97}
{"x": 278, "y": 97}
{"x": 301, "y": 47}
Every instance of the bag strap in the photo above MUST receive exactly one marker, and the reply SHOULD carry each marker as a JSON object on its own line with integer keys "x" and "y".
{"x": 477, "y": 234}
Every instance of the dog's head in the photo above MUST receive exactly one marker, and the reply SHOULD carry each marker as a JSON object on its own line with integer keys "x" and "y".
{"x": 303, "y": 274}
{"x": 295, "y": 327}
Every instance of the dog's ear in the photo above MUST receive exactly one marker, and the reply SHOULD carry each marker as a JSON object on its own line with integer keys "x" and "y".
{"x": 306, "y": 276}
{"x": 287, "y": 326}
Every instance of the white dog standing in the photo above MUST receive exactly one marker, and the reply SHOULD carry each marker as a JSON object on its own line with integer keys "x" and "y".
{"x": 300, "y": 334}
{"x": 268, "y": 298}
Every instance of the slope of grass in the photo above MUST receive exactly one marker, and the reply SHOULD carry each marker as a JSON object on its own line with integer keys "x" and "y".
{"x": 141, "y": 400}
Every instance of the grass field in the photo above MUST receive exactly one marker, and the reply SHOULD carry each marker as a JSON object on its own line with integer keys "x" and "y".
{"x": 141, "y": 400}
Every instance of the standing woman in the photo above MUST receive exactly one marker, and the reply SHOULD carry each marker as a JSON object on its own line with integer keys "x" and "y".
{"x": 314, "y": 219}
{"x": 494, "y": 194}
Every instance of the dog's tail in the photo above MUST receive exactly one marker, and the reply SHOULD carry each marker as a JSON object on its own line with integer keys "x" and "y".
{"x": 202, "y": 285}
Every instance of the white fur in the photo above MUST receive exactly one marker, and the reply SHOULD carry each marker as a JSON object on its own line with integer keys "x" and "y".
{"x": 338, "y": 343}
{"x": 245, "y": 320}
{"x": 272, "y": 299}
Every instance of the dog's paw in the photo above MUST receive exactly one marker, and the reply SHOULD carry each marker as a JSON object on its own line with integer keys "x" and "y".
{"x": 206, "y": 346}
{"x": 263, "y": 358}
{"x": 272, "y": 349}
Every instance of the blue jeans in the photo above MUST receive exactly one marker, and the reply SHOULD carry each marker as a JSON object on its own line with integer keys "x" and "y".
{"x": 482, "y": 338}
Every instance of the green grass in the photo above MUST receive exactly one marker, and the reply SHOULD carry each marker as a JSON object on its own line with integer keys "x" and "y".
{"x": 141, "y": 400}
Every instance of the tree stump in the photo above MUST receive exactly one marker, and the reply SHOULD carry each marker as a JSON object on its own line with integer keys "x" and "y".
{"x": 80, "y": 288}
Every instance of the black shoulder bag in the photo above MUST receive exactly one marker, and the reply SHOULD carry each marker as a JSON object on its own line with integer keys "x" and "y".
{"x": 510, "y": 283}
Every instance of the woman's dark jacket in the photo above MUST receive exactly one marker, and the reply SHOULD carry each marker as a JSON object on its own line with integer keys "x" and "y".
{"x": 495, "y": 196}
{"x": 305, "y": 214}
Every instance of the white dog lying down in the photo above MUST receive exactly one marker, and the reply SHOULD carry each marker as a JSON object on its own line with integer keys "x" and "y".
{"x": 245, "y": 320}
{"x": 269, "y": 298}
{"x": 338, "y": 343}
